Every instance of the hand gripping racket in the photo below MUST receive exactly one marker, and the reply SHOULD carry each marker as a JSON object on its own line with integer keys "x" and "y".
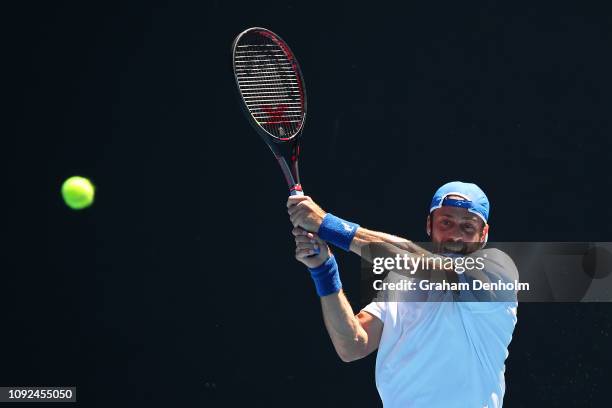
{"x": 273, "y": 96}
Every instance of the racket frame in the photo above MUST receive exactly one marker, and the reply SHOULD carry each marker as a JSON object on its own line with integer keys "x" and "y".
{"x": 285, "y": 150}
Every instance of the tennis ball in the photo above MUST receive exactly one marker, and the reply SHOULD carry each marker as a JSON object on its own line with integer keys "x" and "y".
{"x": 78, "y": 192}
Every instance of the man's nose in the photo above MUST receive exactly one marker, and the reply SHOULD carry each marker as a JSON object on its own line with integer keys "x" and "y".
{"x": 456, "y": 236}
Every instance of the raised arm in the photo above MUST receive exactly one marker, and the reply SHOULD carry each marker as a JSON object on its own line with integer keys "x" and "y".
{"x": 306, "y": 214}
{"x": 364, "y": 237}
{"x": 353, "y": 336}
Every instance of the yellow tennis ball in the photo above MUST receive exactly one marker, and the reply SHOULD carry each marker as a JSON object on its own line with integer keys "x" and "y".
{"x": 78, "y": 192}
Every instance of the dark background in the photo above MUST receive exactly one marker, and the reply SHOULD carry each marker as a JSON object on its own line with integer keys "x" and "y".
{"x": 179, "y": 287}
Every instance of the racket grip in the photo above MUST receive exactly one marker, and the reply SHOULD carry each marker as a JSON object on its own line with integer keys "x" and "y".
{"x": 297, "y": 191}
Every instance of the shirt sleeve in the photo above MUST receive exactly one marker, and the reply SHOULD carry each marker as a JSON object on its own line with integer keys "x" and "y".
{"x": 497, "y": 267}
{"x": 377, "y": 309}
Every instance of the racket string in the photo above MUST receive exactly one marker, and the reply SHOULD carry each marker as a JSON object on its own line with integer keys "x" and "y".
{"x": 269, "y": 85}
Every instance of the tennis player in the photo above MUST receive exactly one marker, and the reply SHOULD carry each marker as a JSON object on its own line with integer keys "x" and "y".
{"x": 444, "y": 353}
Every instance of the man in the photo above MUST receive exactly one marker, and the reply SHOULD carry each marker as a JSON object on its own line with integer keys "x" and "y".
{"x": 447, "y": 353}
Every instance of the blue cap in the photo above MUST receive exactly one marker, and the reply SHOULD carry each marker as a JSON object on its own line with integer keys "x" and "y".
{"x": 475, "y": 200}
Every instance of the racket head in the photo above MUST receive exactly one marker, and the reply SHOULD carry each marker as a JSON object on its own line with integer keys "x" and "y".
{"x": 270, "y": 85}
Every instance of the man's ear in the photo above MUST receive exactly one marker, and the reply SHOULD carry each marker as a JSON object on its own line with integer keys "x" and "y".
{"x": 428, "y": 225}
{"x": 485, "y": 233}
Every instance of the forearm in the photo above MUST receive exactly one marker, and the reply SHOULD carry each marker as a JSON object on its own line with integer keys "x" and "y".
{"x": 345, "y": 330}
{"x": 366, "y": 243}
{"x": 365, "y": 237}
{"x": 373, "y": 244}
{"x": 347, "y": 335}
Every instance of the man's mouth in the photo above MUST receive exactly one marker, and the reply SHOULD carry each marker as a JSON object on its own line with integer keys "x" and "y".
{"x": 456, "y": 247}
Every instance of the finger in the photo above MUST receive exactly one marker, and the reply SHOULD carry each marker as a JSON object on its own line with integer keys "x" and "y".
{"x": 302, "y": 245}
{"x": 292, "y": 218}
{"x": 297, "y": 231}
{"x": 306, "y": 205}
{"x": 306, "y": 245}
{"x": 303, "y": 253}
{"x": 293, "y": 209}
{"x": 307, "y": 241}
{"x": 293, "y": 200}
{"x": 296, "y": 218}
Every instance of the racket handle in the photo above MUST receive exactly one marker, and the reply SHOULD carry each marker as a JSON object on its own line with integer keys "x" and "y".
{"x": 296, "y": 190}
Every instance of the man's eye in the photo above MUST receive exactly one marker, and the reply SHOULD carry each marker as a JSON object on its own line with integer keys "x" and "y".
{"x": 469, "y": 228}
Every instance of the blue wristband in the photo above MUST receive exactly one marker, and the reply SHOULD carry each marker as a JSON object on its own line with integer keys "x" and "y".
{"x": 337, "y": 231}
{"x": 326, "y": 277}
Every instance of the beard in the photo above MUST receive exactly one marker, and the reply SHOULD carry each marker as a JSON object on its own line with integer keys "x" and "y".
{"x": 456, "y": 247}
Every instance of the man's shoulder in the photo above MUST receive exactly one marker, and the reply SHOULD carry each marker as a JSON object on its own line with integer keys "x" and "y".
{"x": 497, "y": 260}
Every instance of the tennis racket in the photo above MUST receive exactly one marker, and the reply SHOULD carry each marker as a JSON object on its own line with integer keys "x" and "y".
{"x": 271, "y": 89}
